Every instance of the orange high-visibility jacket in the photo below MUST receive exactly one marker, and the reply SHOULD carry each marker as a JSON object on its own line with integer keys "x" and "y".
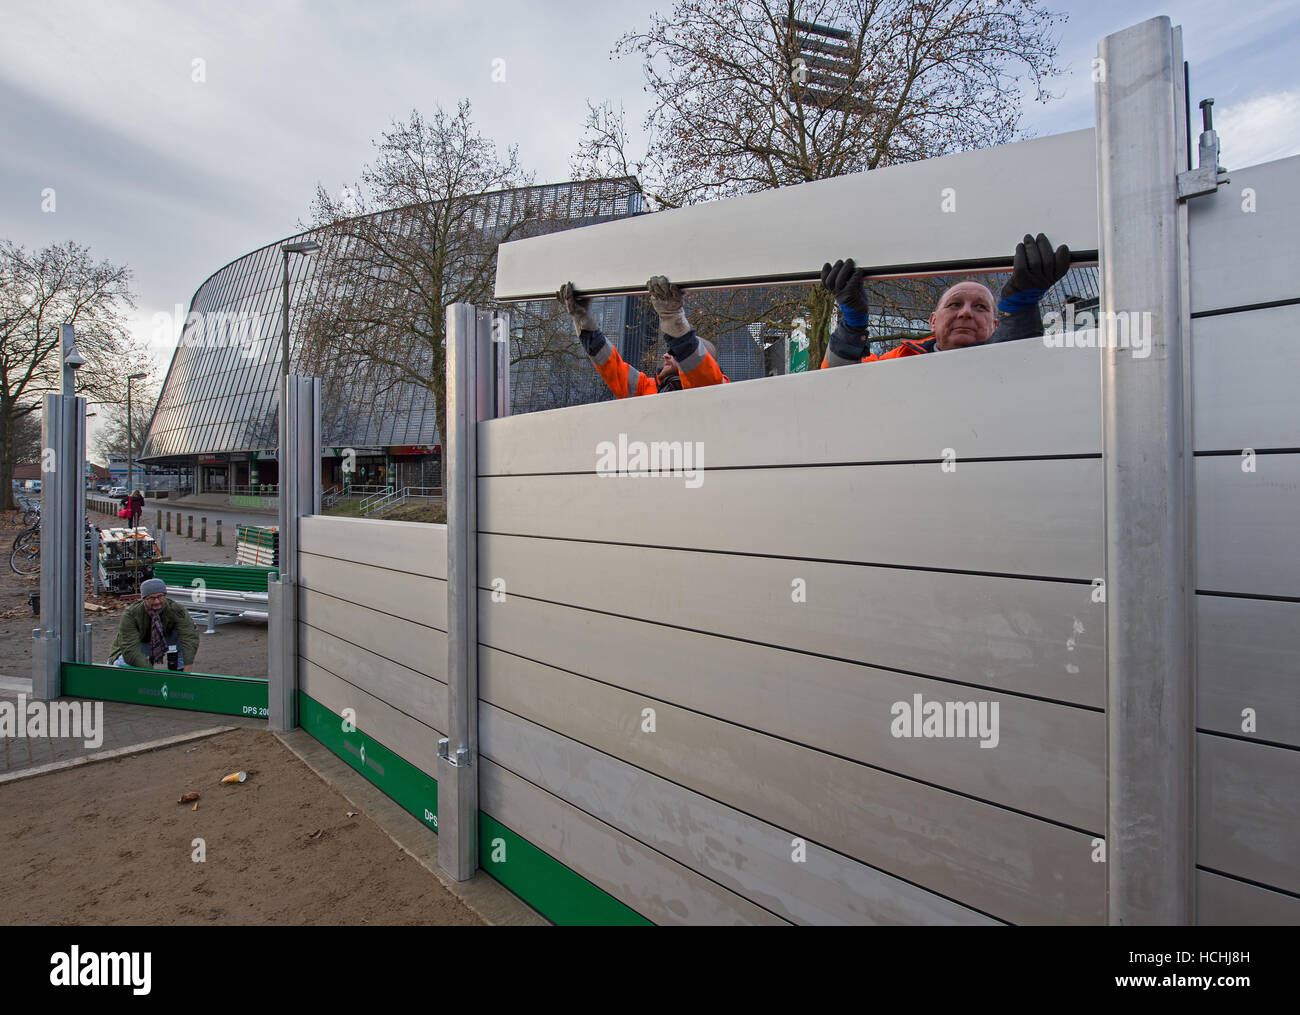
{"x": 909, "y": 347}
{"x": 698, "y": 370}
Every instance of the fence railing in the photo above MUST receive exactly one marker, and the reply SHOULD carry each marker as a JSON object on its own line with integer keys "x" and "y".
{"x": 383, "y": 501}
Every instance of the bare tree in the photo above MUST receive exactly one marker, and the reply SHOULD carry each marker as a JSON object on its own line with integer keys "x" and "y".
{"x": 751, "y": 95}
{"x": 27, "y": 439}
{"x": 386, "y": 279}
{"x": 39, "y": 292}
{"x": 112, "y": 436}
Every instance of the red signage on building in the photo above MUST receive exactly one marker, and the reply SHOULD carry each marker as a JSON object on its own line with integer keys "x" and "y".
{"x": 415, "y": 449}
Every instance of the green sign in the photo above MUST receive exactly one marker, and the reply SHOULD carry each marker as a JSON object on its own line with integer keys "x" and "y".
{"x": 799, "y": 347}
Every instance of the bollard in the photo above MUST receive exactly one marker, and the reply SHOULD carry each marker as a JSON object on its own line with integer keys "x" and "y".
{"x": 158, "y": 527}
{"x": 189, "y": 529}
{"x": 217, "y": 541}
{"x": 203, "y": 529}
{"x": 169, "y": 522}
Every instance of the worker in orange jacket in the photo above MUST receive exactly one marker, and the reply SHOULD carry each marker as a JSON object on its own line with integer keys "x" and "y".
{"x": 690, "y": 361}
{"x": 964, "y": 315}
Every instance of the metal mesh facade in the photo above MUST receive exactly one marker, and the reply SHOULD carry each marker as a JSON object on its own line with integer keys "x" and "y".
{"x": 221, "y": 395}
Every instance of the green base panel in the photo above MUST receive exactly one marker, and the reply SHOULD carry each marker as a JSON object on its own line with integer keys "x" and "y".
{"x": 196, "y": 692}
{"x": 415, "y": 791}
{"x": 215, "y": 576}
{"x": 560, "y": 894}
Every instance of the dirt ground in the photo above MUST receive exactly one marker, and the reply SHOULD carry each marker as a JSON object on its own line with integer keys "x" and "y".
{"x": 237, "y": 649}
{"x": 107, "y": 843}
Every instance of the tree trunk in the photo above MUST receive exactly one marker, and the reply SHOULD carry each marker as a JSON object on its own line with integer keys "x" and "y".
{"x": 6, "y": 460}
{"x": 820, "y": 305}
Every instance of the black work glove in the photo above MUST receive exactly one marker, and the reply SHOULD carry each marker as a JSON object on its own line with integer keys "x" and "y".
{"x": 1035, "y": 269}
{"x": 843, "y": 280}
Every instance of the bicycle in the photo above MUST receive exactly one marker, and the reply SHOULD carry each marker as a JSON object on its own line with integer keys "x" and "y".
{"x": 25, "y": 557}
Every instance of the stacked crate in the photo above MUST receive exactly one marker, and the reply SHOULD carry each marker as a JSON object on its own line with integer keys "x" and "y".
{"x": 257, "y": 545}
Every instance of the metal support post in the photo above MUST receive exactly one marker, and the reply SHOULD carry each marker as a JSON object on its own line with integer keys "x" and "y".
{"x": 1150, "y": 834}
{"x": 478, "y": 388}
{"x": 299, "y": 460}
{"x": 47, "y": 653}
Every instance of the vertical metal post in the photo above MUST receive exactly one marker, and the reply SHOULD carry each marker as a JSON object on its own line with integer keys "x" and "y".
{"x": 94, "y": 560}
{"x": 283, "y": 645}
{"x": 74, "y": 479}
{"x": 47, "y": 652}
{"x": 1150, "y": 835}
{"x": 457, "y": 753}
{"x": 299, "y": 463}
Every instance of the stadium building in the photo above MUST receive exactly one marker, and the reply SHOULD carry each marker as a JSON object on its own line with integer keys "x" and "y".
{"x": 217, "y": 416}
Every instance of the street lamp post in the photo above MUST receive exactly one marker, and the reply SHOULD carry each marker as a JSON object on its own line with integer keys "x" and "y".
{"x": 130, "y": 435}
{"x": 303, "y": 247}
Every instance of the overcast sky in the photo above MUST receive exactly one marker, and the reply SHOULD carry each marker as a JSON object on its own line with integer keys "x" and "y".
{"x": 177, "y": 177}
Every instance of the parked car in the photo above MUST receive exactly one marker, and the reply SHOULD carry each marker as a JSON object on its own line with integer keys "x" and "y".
{"x": 117, "y": 491}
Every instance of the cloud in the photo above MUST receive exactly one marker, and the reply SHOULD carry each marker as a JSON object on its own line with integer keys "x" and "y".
{"x": 1261, "y": 129}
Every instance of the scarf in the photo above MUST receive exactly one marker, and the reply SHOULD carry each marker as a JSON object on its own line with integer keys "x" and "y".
{"x": 157, "y": 640}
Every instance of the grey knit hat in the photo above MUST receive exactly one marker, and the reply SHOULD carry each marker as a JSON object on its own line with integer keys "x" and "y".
{"x": 152, "y": 587}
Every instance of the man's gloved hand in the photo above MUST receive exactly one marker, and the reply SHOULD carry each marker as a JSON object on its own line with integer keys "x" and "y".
{"x": 843, "y": 280}
{"x": 670, "y": 305}
{"x": 1036, "y": 269}
{"x": 579, "y": 308}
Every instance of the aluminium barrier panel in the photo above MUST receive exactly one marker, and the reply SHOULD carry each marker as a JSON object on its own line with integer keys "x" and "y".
{"x": 685, "y": 681}
{"x": 372, "y": 650}
{"x": 1246, "y": 437}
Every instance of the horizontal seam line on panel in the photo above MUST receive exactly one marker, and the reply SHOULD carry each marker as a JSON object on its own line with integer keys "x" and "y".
{"x": 795, "y": 743}
{"x": 720, "y": 803}
{"x": 378, "y": 655}
{"x": 362, "y": 606}
{"x": 510, "y": 827}
{"x": 1248, "y": 595}
{"x": 1269, "y": 304}
{"x": 783, "y": 556}
{"x": 798, "y": 651}
{"x": 1250, "y": 881}
{"x": 1247, "y": 740}
{"x": 1236, "y": 452}
{"x": 1079, "y": 259}
{"x": 1079, "y": 456}
{"x": 408, "y": 715}
{"x": 623, "y": 831}
{"x": 373, "y": 567}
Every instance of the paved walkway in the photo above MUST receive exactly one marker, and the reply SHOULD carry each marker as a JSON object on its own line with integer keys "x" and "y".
{"x": 125, "y": 726}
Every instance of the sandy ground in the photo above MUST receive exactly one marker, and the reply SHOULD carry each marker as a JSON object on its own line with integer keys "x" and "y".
{"x": 107, "y": 843}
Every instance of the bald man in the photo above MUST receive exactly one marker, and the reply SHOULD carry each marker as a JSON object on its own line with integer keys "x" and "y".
{"x": 965, "y": 315}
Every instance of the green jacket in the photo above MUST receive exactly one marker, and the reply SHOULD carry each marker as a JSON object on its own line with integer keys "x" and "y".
{"x": 134, "y": 630}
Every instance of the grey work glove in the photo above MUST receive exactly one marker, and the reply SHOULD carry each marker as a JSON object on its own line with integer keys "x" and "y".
{"x": 1035, "y": 269}
{"x": 843, "y": 280}
{"x": 670, "y": 305}
{"x": 578, "y": 307}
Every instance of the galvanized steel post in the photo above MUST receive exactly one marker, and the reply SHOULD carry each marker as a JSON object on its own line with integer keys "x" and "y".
{"x": 1150, "y": 834}
{"x": 299, "y": 463}
{"x": 477, "y": 388}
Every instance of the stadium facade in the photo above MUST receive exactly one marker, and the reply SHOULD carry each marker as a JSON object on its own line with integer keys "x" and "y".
{"x": 217, "y": 415}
